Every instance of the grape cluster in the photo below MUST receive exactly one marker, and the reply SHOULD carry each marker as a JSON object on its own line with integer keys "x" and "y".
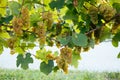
{"x": 17, "y": 25}
{"x": 41, "y": 31}
{"x": 64, "y": 59}
{"x": 107, "y": 11}
{"x": 48, "y": 18}
{"x": 25, "y": 17}
{"x": 61, "y": 63}
{"x": 21, "y": 22}
{"x": 11, "y": 42}
{"x": 66, "y": 54}
{"x": 93, "y": 13}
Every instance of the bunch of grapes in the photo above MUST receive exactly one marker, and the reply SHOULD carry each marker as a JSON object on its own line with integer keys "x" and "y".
{"x": 107, "y": 11}
{"x": 116, "y": 25}
{"x": 48, "y": 18}
{"x": 93, "y": 13}
{"x": 25, "y": 17}
{"x": 62, "y": 64}
{"x": 17, "y": 23}
{"x": 66, "y": 54}
{"x": 11, "y": 42}
{"x": 41, "y": 31}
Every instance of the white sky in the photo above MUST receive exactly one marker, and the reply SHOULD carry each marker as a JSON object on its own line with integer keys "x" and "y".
{"x": 102, "y": 58}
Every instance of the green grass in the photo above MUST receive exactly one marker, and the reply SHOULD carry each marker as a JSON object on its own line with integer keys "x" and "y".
{"x": 6, "y": 74}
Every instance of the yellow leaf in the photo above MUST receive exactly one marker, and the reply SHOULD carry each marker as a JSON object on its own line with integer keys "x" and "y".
{"x": 4, "y": 34}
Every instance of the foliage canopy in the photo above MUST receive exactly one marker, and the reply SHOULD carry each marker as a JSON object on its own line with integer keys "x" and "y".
{"x": 74, "y": 26}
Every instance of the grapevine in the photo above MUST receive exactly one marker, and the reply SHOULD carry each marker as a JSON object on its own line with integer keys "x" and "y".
{"x": 71, "y": 26}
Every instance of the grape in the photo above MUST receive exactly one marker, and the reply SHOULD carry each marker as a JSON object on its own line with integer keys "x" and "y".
{"x": 41, "y": 31}
{"x": 107, "y": 11}
{"x": 12, "y": 52}
{"x": 66, "y": 54}
{"x": 61, "y": 63}
{"x": 47, "y": 17}
{"x": 50, "y": 57}
{"x": 25, "y": 17}
{"x": 93, "y": 12}
{"x": 17, "y": 25}
{"x": 11, "y": 42}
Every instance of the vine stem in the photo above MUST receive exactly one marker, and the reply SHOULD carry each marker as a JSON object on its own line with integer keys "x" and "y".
{"x": 97, "y": 28}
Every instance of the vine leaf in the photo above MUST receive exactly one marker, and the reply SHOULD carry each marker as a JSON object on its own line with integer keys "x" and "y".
{"x": 24, "y": 61}
{"x": 75, "y": 58}
{"x": 118, "y": 55}
{"x": 42, "y": 54}
{"x": 1, "y": 49}
{"x": 14, "y": 7}
{"x": 4, "y": 34}
{"x": 58, "y": 4}
{"x": 46, "y": 68}
{"x": 116, "y": 39}
{"x": 80, "y": 39}
{"x": 65, "y": 40}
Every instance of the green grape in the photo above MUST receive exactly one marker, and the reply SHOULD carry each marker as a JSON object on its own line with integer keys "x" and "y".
{"x": 107, "y": 11}
{"x": 41, "y": 31}
{"x": 17, "y": 25}
{"x": 50, "y": 57}
{"x": 93, "y": 12}
{"x": 62, "y": 64}
{"x": 48, "y": 18}
{"x": 66, "y": 54}
{"x": 11, "y": 43}
{"x": 25, "y": 17}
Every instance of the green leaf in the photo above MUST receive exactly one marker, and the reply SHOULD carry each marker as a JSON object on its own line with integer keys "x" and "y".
{"x": 56, "y": 68}
{"x": 8, "y": 19}
{"x": 1, "y": 49}
{"x": 80, "y": 3}
{"x": 58, "y": 4}
{"x": 80, "y": 39}
{"x": 19, "y": 60}
{"x": 117, "y": 6}
{"x": 34, "y": 18}
{"x": 115, "y": 43}
{"x": 70, "y": 16}
{"x": 14, "y": 7}
{"x": 65, "y": 40}
{"x": 4, "y": 34}
{"x": 75, "y": 58}
{"x": 91, "y": 43}
{"x": 114, "y": 1}
{"x": 116, "y": 39}
{"x": 19, "y": 50}
{"x": 24, "y": 60}
{"x": 31, "y": 45}
{"x": 105, "y": 33}
{"x": 42, "y": 53}
{"x": 46, "y": 68}
{"x": 3, "y": 4}
{"x": 118, "y": 56}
